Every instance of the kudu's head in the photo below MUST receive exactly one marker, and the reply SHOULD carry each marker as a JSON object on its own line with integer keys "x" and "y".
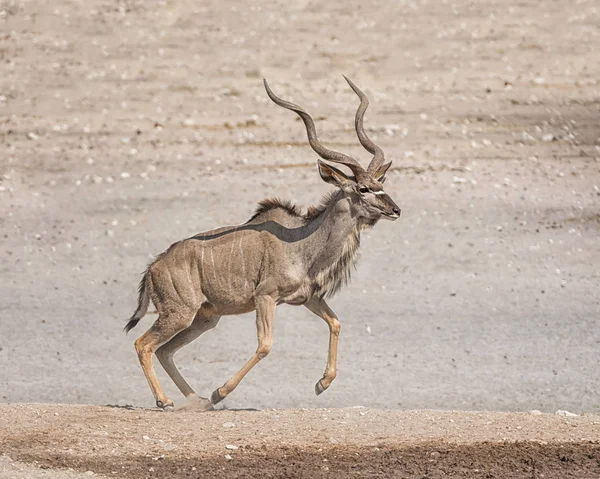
{"x": 364, "y": 190}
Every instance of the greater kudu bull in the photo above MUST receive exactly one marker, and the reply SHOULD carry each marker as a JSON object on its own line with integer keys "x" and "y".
{"x": 280, "y": 255}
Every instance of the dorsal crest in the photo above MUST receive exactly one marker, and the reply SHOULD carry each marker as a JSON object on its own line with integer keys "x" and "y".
{"x": 271, "y": 204}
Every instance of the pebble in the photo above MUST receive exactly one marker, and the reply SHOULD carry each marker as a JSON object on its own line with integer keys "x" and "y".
{"x": 562, "y": 412}
{"x": 228, "y": 424}
{"x": 535, "y": 412}
{"x": 228, "y": 457}
{"x": 231, "y": 447}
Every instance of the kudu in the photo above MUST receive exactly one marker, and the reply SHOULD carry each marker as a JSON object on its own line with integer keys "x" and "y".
{"x": 280, "y": 255}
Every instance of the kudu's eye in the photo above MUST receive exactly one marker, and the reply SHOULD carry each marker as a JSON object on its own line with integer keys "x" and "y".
{"x": 363, "y": 189}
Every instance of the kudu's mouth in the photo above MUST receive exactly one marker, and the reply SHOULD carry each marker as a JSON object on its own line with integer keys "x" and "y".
{"x": 393, "y": 216}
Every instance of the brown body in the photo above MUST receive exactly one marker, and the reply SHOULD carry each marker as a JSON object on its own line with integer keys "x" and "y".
{"x": 278, "y": 256}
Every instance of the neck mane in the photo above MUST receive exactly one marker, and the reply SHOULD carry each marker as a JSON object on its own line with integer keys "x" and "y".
{"x": 270, "y": 205}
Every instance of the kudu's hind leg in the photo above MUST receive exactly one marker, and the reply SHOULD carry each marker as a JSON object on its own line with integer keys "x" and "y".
{"x": 202, "y": 323}
{"x": 163, "y": 329}
{"x": 321, "y": 309}
{"x": 265, "y": 312}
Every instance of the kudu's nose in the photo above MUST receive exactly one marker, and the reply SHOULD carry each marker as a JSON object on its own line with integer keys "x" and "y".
{"x": 396, "y": 211}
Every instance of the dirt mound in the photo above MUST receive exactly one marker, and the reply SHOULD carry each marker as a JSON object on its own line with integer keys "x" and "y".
{"x": 354, "y": 442}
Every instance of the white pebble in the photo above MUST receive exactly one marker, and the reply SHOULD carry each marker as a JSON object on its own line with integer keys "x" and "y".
{"x": 562, "y": 412}
{"x": 548, "y": 137}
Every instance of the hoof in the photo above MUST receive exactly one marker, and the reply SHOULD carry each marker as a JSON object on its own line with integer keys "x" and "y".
{"x": 196, "y": 404}
{"x": 166, "y": 406}
{"x": 319, "y": 388}
{"x": 216, "y": 397}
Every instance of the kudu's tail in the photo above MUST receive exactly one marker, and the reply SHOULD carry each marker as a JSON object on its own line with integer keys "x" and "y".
{"x": 142, "y": 308}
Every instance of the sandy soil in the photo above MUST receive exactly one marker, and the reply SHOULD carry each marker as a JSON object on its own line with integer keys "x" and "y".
{"x": 353, "y": 442}
{"x": 128, "y": 125}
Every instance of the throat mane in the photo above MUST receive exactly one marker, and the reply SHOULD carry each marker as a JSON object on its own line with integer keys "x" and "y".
{"x": 333, "y": 276}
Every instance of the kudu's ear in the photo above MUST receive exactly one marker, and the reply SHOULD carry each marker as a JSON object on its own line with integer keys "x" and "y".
{"x": 332, "y": 175}
{"x": 379, "y": 175}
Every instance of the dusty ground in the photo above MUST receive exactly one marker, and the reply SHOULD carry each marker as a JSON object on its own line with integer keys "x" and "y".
{"x": 128, "y": 125}
{"x": 352, "y": 442}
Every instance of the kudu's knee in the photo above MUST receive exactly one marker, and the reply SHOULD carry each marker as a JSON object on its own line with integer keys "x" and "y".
{"x": 141, "y": 347}
{"x": 335, "y": 326}
{"x": 263, "y": 350}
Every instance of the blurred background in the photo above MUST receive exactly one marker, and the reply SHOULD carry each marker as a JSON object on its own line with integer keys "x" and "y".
{"x": 127, "y": 125}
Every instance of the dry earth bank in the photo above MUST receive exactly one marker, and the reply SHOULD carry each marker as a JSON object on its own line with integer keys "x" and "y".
{"x": 352, "y": 442}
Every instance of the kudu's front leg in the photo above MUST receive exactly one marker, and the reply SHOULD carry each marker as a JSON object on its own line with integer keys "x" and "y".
{"x": 265, "y": 312}
{"x": 321, "y": 309}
